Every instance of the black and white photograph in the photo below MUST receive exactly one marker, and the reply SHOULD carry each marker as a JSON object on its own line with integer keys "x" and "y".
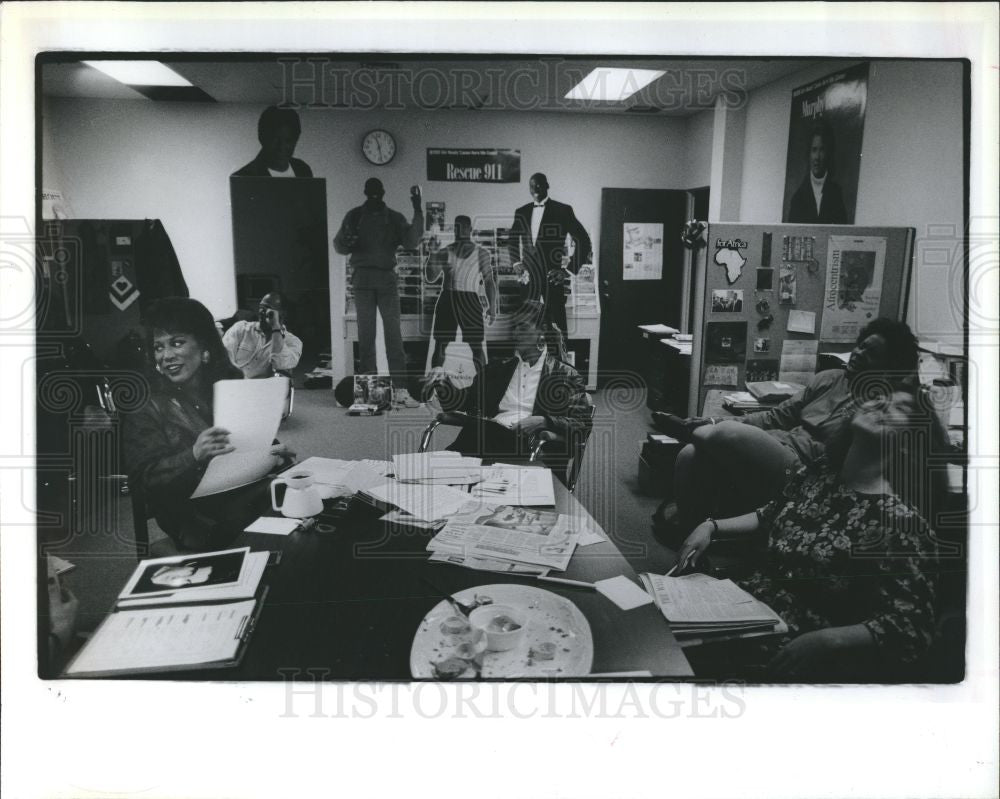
{"x": 727, "y": 301}
{"x": 199, "y": 197}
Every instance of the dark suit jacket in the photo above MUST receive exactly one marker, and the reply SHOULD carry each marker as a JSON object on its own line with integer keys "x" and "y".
{"x": 831, "y": 209}
{"x": 561, "y": 398}
{"x": 258, "y": 168}
{"x": 546, "y": 254}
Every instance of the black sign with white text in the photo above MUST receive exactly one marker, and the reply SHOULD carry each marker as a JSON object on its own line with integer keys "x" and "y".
{"x": 473, "y": 166}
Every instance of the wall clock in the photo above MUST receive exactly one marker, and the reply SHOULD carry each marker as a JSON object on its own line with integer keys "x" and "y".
{"x": 379, "y": 147}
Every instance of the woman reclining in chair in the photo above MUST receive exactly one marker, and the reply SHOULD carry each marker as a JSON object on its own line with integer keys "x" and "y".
{"x": 849, "y": 560}
{"x": 517, "y": 398}
{"x": 745, "y": 461}
{"x": 170, "y": 440}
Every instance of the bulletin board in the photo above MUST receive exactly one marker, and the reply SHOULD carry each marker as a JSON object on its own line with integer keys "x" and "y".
{"x": 818, "y": 284}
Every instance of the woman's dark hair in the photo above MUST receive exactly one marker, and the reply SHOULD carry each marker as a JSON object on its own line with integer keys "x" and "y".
{"x": 184, "y": 315}
{"x": 273, "y": 118}
{"x": 901, "y": 345}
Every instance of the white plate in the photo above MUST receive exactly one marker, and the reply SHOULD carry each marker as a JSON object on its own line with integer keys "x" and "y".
{"x": 549, "y": 617}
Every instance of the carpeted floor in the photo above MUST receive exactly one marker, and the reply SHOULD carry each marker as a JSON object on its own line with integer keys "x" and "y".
{"x": 102, "y": 545}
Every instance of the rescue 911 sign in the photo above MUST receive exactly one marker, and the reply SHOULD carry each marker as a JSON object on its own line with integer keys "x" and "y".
{"x": 474, "y": 166}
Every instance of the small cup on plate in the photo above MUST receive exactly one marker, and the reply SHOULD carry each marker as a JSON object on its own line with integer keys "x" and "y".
{"x": 504, "y": 626}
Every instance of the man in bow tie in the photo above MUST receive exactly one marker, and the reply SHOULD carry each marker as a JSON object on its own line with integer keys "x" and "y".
{"x": 547, "y": 240}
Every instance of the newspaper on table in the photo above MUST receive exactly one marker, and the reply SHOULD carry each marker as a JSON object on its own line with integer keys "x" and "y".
{"x": 489, "y": 564}
{"x": 512, "y": 533}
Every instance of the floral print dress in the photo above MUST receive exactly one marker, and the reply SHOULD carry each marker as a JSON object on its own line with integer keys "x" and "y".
{"x": 838, "y": 557}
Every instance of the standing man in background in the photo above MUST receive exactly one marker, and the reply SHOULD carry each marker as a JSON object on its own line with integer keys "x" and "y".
{"x": 538, "y": 247}
{"x": 370, "y": 234}
{"x": 261, "y": 348}
{"x": 278, "y": 131}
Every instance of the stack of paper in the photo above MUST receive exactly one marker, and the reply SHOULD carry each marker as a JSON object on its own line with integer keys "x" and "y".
{"x": 773, "y": 391}
{"x": 514, "y": 485}
{"x": 428, "y": 502}
{"x": 509, "y": 533}
{"x": 442, "y": 468}
{"x": 659, "y": 329}
{"x": 345, "y": 477}
{"x": 742, "y": 402}
{"x": 702, "y": 606}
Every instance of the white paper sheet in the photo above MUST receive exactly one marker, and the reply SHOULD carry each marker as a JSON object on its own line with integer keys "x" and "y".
{"x": 512, "y": 485}
{"x": 273, "y": 525}
{"x": 427, "y": 502}
{"x": 801, "y": 322}
{"x": 251, "y": 411}
{"x": 439, "y": 467}
{"x": 623, "y": 592}
{"x": 798, "y": 361}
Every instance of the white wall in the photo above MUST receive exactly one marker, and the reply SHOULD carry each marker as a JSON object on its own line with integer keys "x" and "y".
{"x": 698, "y": 149}
{"x": 172, "y": 161}
{"x": 911, "y": 172}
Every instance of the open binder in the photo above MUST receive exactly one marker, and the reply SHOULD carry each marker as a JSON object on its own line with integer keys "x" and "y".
{"x": 207, "y": 628}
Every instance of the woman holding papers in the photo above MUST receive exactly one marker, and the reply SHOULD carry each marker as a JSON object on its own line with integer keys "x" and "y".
{"x": 757, "y": 453}
{"x": 170, "y": 440}
{"x": 847, "y": 559}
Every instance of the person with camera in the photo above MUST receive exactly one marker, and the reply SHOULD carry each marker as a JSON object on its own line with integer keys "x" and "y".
{"x": 265, "y": 346}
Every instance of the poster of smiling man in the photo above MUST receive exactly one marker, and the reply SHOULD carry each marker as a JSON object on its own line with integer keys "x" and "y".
{"x": 824, "y": 148}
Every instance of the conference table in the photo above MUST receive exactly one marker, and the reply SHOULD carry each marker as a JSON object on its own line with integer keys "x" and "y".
{"x": 345, "y": 604}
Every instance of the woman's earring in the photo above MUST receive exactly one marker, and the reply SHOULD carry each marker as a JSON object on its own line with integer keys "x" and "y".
{"x": 205, "y": 357}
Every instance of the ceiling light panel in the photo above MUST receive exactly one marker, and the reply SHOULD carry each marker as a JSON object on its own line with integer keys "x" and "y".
{"x": 140, "y": 73}
{"x": 612, "y": 84}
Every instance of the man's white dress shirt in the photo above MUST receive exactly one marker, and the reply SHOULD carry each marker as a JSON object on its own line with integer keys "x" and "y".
{"x": 536, "y": 219}
{"x": 519, "y": 399}
{"x": 252, "y": 352}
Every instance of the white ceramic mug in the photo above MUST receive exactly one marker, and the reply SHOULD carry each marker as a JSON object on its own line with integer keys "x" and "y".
{"x": 302, "y": 499}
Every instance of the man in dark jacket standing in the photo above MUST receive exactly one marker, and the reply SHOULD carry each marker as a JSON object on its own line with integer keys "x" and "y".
{"x": 370, "y": 234}
{"x": 278, "y": 131}
{"x": 538, "y": 246}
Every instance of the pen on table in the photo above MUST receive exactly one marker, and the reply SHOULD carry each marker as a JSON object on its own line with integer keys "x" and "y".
{"x": 564, "y": 581}
{"x": 681, "y": 566}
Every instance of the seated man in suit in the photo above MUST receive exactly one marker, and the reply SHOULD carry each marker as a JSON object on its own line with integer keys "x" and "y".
{"x": 517, "y": 397}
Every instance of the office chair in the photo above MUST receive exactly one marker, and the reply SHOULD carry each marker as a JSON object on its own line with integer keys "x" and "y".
{"x": 140, "y": 520}
{"x": 537, "y": 444}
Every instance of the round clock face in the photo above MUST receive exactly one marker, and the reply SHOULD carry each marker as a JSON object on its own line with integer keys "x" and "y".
{"x": 379, "y": 147}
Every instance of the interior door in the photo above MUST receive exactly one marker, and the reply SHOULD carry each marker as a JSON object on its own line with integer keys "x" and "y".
{"x": 633, "y": 296}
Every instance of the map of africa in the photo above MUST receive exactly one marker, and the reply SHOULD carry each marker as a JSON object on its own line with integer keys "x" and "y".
{"x": 732, "y": 260}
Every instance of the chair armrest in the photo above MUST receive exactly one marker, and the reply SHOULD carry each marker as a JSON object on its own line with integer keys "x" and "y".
{"x": 454, "y": 418}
